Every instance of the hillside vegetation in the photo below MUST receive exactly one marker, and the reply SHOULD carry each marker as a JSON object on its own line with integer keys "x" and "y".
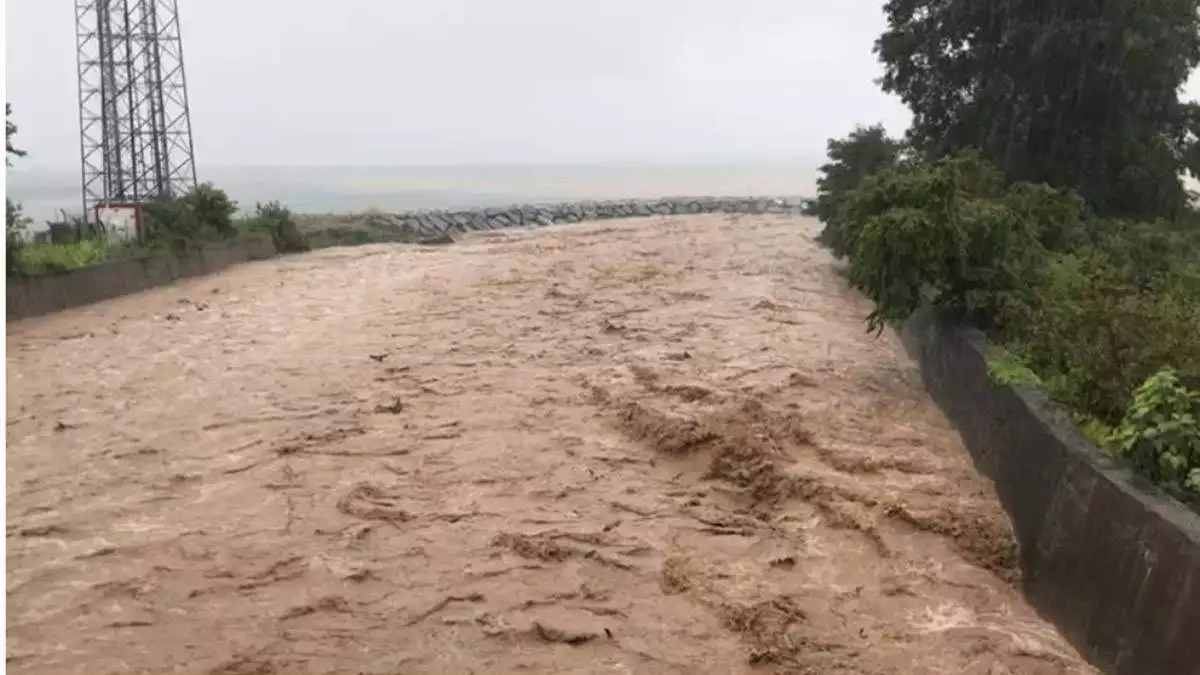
{"x": 1038, "y": 196}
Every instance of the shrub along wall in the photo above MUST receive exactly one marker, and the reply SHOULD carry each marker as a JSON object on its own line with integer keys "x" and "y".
{"x": 1107, "y": 556}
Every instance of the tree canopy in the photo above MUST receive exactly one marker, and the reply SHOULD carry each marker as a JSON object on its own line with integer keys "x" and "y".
{"x": 10, "y": 130}
{"x": 867, "y": 150}
{"x": 1080, "y": 95}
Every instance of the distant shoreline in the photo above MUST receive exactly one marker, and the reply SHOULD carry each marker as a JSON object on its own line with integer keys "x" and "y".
{"x": 348, "y": 190}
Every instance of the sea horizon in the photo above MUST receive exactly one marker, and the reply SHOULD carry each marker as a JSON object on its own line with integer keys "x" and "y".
{"x": 45, "y": 192}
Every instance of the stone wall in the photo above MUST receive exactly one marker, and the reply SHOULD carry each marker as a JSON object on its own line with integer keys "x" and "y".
{"x": 53, "y": 292}
{"x": 1106, "y": 556}
{"x": 417, "y": 224}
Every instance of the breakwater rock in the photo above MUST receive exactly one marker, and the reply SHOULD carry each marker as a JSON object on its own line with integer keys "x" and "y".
{"x": 427, "y": 223}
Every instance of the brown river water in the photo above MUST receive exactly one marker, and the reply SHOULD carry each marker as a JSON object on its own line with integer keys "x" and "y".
{"x": 645, "y": 446}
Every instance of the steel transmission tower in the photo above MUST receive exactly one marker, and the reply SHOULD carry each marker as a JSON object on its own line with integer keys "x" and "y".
{"x": 134, "y": 125}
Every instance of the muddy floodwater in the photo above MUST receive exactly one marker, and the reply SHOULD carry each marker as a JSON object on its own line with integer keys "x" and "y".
{"x": 646, "y": 446}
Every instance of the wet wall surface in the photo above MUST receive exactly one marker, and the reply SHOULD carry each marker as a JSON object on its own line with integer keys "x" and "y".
{"x": 1110, "y": 559}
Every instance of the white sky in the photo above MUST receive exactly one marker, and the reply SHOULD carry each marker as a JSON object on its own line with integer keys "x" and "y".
{"x": 402, "y": 82}
{"x": 386, "y": 82}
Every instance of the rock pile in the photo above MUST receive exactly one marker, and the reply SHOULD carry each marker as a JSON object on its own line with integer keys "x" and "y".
{"x": 432, "y": 223}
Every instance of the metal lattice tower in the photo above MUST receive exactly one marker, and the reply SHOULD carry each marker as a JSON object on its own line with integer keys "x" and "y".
{"x": 134, "y": 125}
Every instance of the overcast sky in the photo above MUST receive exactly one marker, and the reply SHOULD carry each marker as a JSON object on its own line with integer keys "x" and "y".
{"x": 385, "y": 82}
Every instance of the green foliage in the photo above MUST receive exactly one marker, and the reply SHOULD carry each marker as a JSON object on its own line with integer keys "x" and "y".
{"x": 34, "y": 259}
{"x": 14, "y": 221}
{"x": 1006, "y": 368}
{"x": 1040, "y": 200}
{"x": 10, "y": 130}
{"x": 1099, "y": 332}
{"x": 942, "y": 232}
{"x": 27, "y": 259}
{"x": 1058, "y": 216}
{"x": 1146, "y": 251}
{"x": 1093, "y": 429}
{"x": 1092, "y": 306}
{"x": 1079, "y": 96}
{"x": 202, "y": 215}
{"x": 169, "y": 223}
{"x": 213, "y": 208}
{"x": 15, "y": 224}
{"x": 278, "y": 222}
{"x": 866, "y": 151}
{"x": 1160, "y": 434}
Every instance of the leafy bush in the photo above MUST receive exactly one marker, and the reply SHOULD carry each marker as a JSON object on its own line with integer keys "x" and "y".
{"x": 212, "y": 208}
{"x": 14, "y": 236}
{"x": 12, "y": 264}
{"x": 1160, "y": 435}
{"x": 1095, "y": 332}
{"x": 865, "y": 152}
{"x": 1007, "y": 368}
{"x": 940, "y": 233}
{"x": 1145, "y": 251}
{"x": 202, "y": 215}
{"x": 169, "y": 223}
{"x": 34, "y": 259}
{"x": 1059, "y": 216}
{"x": 278, "y": 222}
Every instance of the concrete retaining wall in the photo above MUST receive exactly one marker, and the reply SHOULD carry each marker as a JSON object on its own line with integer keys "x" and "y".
{"x": 1107, "y": 557}
{"x": 45, "y": 294}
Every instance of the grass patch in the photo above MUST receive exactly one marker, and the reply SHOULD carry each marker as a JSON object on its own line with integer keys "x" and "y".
{"x": 1006, "y": 368}
{"x": 34, "y": 259}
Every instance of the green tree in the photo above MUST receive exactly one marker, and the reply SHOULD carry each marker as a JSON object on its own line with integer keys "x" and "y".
{"x": 277, "y": 221}
{"x": 212, "y": 208}
{"x": 944, "y": 232}
{"x": 865, "y": 152}
{"x": 10, "y": 130}
{"x": 1083, "y": 96}
{"x": 15, "y": 225}
{"x": 14, "y": 221}
{"x": 204, "y": 213}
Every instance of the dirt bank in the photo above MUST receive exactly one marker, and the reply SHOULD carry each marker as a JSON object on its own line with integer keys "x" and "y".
{"x": 637, "y": 447}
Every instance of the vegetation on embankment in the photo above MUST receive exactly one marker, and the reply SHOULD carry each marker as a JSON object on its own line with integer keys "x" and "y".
{"x": 203, "y": 215}
{"x": 1045, "y": 207}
